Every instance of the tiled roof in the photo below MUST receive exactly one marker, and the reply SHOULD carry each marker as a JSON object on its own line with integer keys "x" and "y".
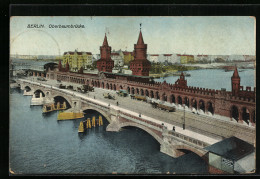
{"x": 127, "y": 53}
{"x": 231, "y": 148}
{"x": 167, "y": 54}
{"x": 79, "y": 53}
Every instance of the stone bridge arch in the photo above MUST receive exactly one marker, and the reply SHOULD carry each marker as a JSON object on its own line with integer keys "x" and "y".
{"x": 105, "y": 114}
{"x": 55, "y": 94}
{"x": 146, "y": 129}
{"x": 39, "y": 89}
{"x": 199, "y": 152}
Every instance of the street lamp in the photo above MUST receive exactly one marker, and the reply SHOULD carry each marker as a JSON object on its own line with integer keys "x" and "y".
{"x": 183, "y": 124}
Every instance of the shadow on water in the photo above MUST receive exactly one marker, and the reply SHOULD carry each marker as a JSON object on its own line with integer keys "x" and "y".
{"x": 49, "y": 114}
{"x": 97, "y": 129}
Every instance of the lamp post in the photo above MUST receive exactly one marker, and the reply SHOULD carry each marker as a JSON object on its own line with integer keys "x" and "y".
{"x": 183, "y": 124}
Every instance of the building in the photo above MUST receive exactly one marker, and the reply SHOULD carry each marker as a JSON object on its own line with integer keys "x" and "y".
{"x": 176, "y": 58}
{"x": 140, "y": 66}
{"x": 76, "y": 60}
{"x": 184, "y": 59}
{"x": 154, "y": 58}
{"x": 105, "y": 63}
{"x": 128, "y": 56}
{"x": 118, "y": 60}
{"x": 201, "y": 58}
{"x": 168, "y": 58}
{"x": 237, "y": 105}
{"x": 231, "y": 155}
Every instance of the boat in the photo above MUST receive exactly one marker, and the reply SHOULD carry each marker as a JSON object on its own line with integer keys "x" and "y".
{"x": 52, "y": 107}
{"x": 69, "y": 115}
{"x": 81, "y": 127}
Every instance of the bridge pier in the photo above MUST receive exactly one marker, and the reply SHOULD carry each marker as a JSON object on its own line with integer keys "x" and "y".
{"x": 37, "y": 101}
{"x": 76, "y": 105}
{"x": 28, "y": 93}
{"x": 170, "y": 150}
{"x": 114, "y": 125}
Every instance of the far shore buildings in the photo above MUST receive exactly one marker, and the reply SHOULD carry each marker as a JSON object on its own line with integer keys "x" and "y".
{"x": 118, "y": 59}
{"x": 76, "y": 60}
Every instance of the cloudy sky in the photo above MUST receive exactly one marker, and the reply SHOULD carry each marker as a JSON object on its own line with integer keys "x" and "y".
{"x": 224, "y": 35}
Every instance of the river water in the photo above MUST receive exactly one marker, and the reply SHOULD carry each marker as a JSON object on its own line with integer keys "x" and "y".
{"x": 39, "y": 144}
{"x": 214, "y": 78}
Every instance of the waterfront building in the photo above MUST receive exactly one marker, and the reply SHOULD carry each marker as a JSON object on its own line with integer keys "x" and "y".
{"x": 201, "y": 58}
{"x": 118, "y": 60}
{"x": 168, "y": 58}
{"x": 249, "y": 57}
{"x": 140, "y": 66}
{"x": 128, "y": 56}
{"x": 184, "y": 59}
{"x": 231, "y": 155}
{"x": 154, "y": 58}
{"x": 105, "y": 63}
{"x": 176, "y": 59}
{"x": 76, "y": 59}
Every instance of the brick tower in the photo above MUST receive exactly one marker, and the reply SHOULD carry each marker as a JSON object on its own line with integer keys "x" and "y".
{"x": 140, "y": 66}
{"x": 105, "y": 63}
{"x": 235, "y": 80}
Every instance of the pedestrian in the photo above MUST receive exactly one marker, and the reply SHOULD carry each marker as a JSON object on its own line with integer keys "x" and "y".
{"x": 173, "y": 128}
{"x": 139, "y": 114}
{"x": 117, "y": 103}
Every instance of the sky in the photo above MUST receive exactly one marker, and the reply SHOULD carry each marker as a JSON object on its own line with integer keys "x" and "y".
{"x": 209, "y": 35}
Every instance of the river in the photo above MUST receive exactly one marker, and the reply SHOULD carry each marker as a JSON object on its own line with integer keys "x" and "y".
{"x": 39, "y": 144}
{"x": 214, "y": 78}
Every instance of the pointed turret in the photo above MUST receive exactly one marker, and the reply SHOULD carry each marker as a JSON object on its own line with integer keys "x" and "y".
{"x": 235, "y": 74}
{"x": 182, "y": 75}
{"x": 235, "y": 82}
{"x": 181, "y": 82}
{"x": 140, "y": 66}
{"x": 105, "y": 63}
{"x": 140, "y": 40}
{"x": 105, "y": 43}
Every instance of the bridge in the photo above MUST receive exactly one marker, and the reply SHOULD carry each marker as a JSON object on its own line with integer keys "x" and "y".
{"x": 173, "y": 143}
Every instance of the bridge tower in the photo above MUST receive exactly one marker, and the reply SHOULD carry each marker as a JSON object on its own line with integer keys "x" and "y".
{"x": 140, "y": 65}
{"x": 181, "y": 82}
{"x": 235, "y": 80}
{"x": 105, "y": 63}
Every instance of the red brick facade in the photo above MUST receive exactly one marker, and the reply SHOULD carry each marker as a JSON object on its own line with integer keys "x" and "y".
{"x": 140, "y": 66}
{"x": 105, "y": 63}
{"x": 220, "y": 102}
{"x": 237, "y": 104}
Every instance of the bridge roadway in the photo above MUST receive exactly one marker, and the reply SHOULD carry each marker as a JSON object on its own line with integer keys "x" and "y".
{"x": 127, "y": 114}
{"x": 132, "y": 107}
{"x": 207, "y": 125}
{"x": 205, "y": 128}
{"x": 216, "y": 129}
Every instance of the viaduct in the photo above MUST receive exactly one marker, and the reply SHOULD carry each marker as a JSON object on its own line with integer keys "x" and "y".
{"x": 171, "y": 142}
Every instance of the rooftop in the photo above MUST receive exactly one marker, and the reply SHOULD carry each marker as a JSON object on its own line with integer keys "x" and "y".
{"x": 231, "y": 148}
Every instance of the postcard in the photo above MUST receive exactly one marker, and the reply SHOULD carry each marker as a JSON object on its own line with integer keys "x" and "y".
{"x": 132, "y": 95}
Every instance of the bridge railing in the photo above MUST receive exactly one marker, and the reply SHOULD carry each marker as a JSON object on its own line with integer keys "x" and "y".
{"x": 189, "y": 139}
{"x": 143, "y": 120}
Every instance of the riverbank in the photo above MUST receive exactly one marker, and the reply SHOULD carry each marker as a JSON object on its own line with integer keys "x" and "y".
{"x": 160, "y": 75}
